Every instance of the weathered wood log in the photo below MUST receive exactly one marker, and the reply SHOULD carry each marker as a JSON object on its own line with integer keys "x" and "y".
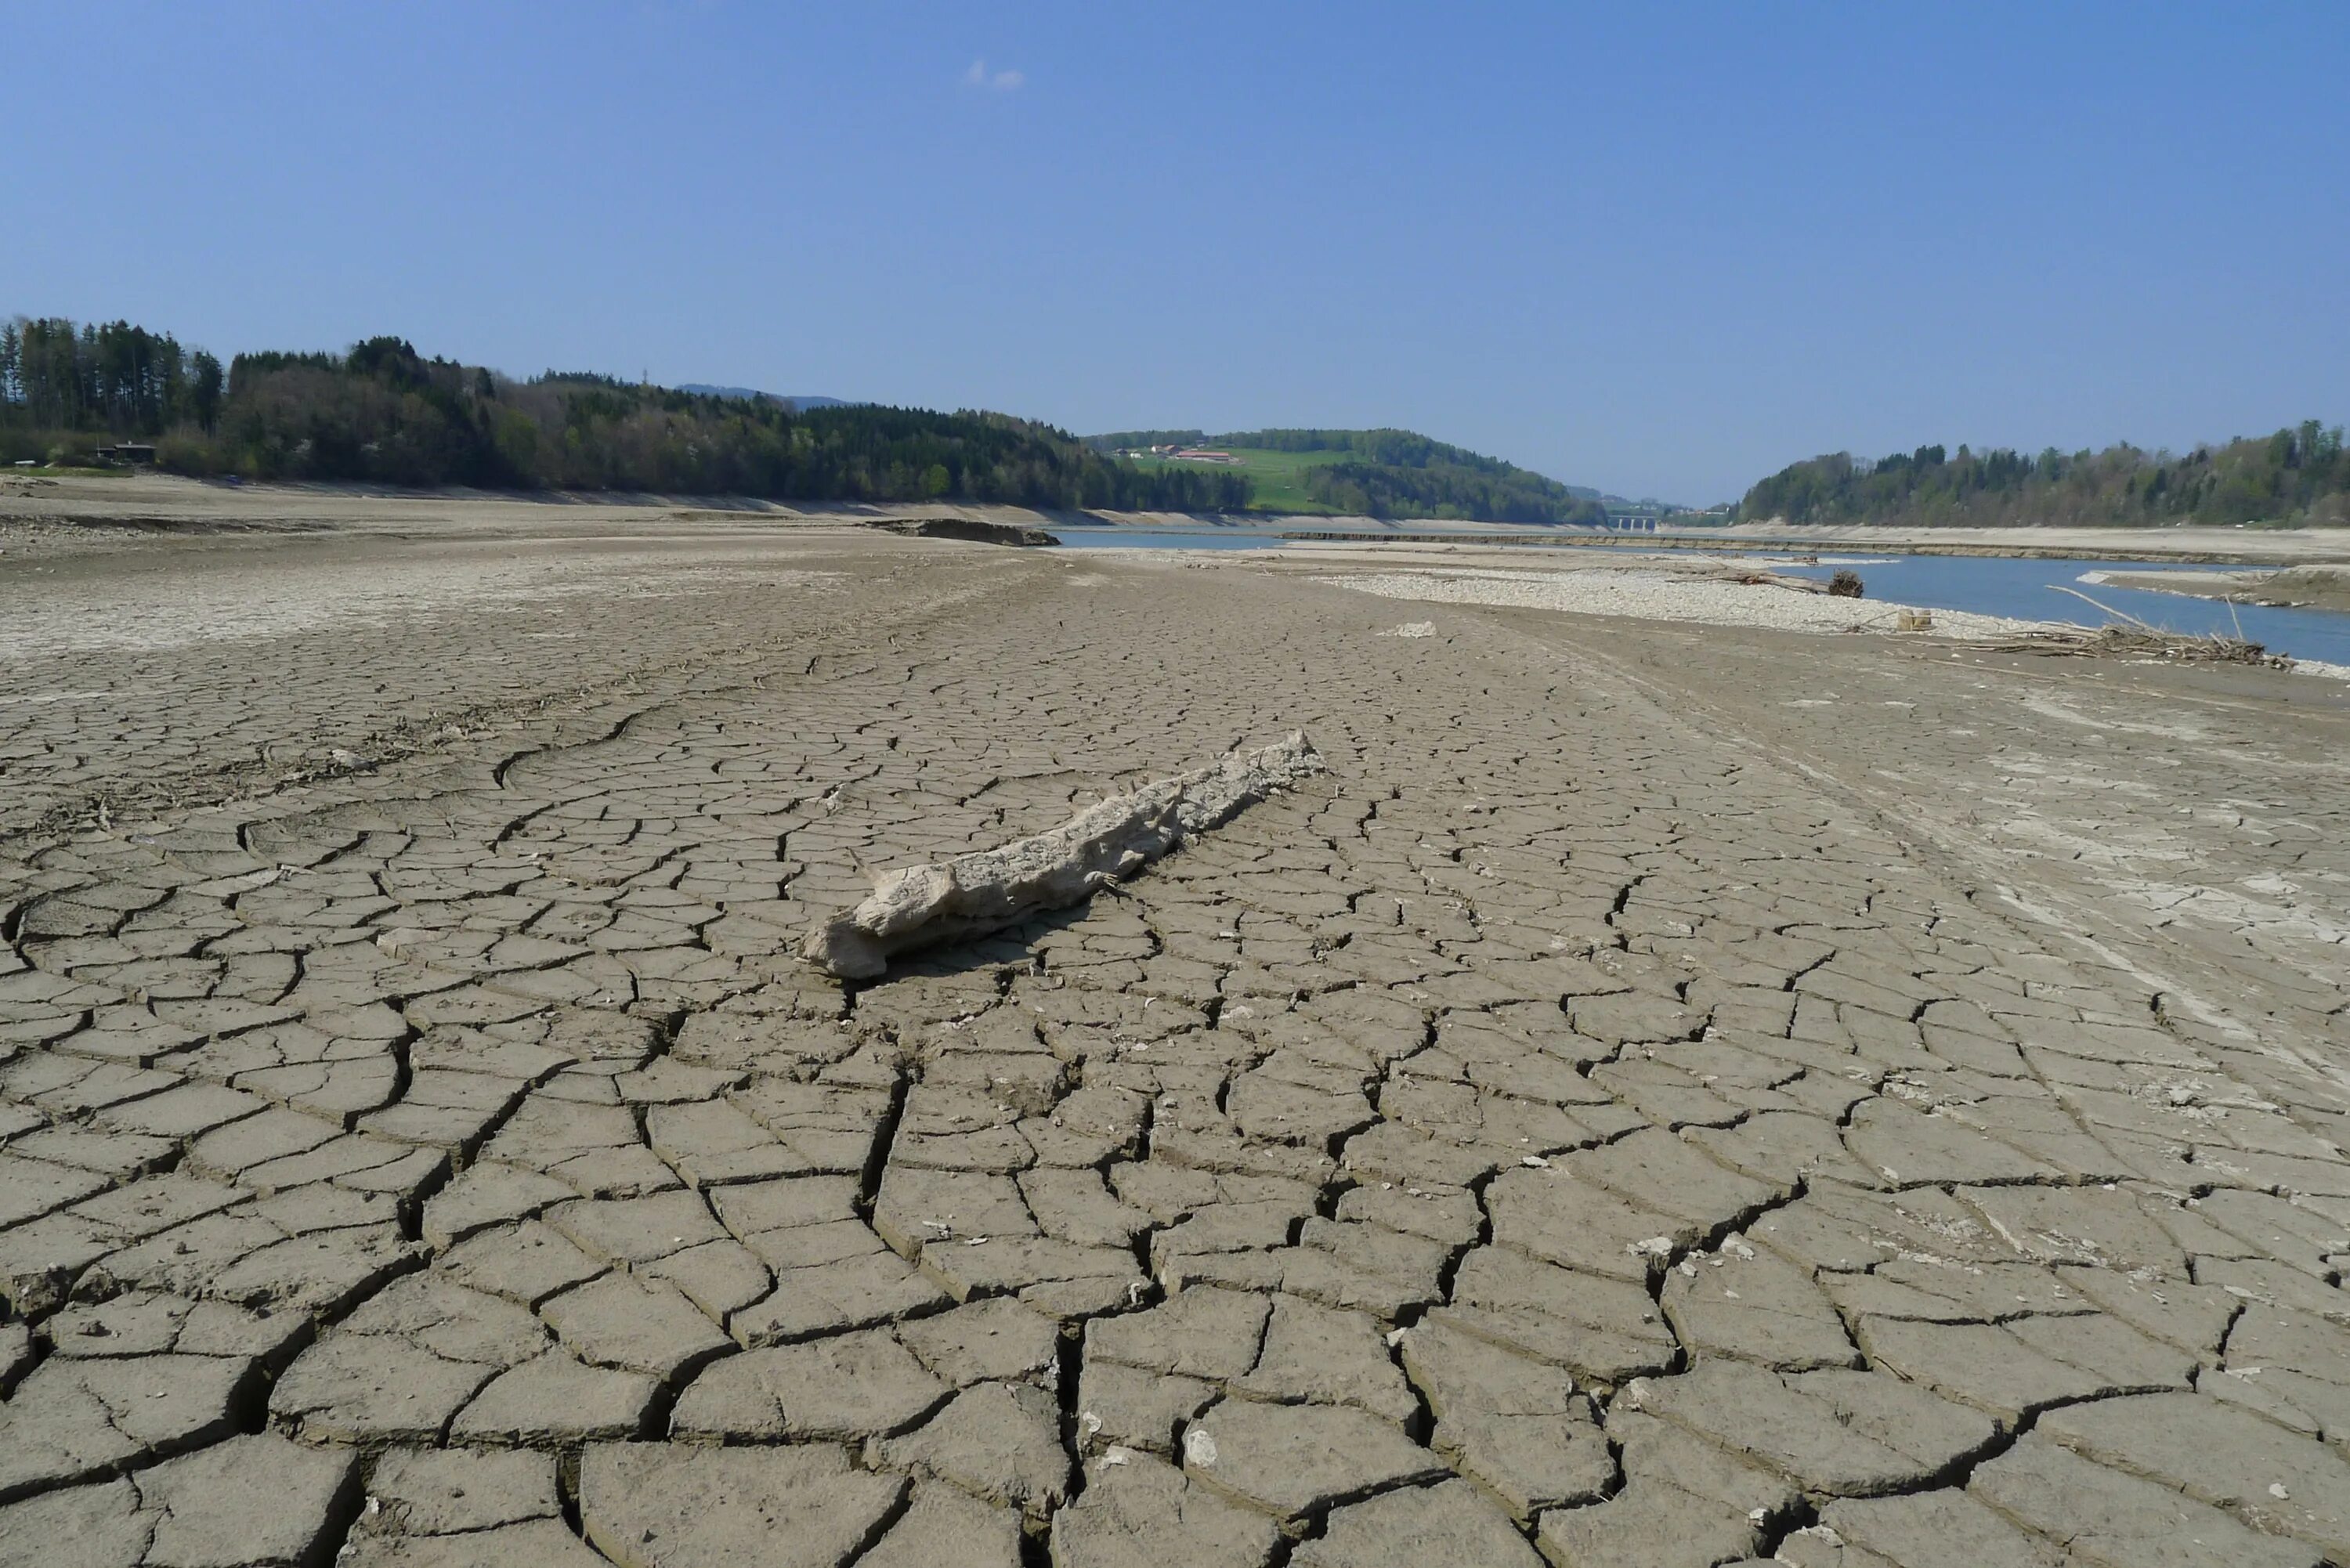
{"x": 973, "y": 895}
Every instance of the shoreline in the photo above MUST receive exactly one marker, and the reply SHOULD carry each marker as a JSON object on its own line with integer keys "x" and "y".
{"x": 151, "y": 508}
{"x": 2137, "y": 549}
{"x": 69, "y": 528}
{"x": 1679, "y": 598}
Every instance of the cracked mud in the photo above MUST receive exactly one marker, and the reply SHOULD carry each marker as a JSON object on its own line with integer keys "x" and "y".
{"x": 1660, "y": 1097}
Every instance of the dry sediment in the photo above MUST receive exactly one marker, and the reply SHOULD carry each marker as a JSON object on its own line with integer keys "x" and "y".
{"x": 1718, "y": 600}
{"x": 1666, "y": 1093}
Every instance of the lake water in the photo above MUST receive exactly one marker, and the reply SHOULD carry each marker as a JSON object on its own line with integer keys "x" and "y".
{"x": 1167, "y": 539}
{"x": 2025, "y": 589}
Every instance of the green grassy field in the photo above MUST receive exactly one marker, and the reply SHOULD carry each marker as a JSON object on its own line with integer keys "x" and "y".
{"x": 1279, "y": 477}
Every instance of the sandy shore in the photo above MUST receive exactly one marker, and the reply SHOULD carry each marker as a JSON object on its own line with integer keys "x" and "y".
{"x": 1669, "y": 1092}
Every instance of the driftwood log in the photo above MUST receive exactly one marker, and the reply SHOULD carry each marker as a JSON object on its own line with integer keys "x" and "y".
{"x": 973, "y": 895}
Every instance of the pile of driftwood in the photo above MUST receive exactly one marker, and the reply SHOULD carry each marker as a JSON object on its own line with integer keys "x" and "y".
{"x": 2136, "y": 640}
{"x": 2130, "y": 643}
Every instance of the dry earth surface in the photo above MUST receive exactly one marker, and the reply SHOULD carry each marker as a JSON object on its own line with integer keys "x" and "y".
{"x": 1667, "y": 1095}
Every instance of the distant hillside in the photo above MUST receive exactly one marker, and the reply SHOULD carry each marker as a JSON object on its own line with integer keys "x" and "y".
{"x": 2299, "y": 476}
{"x": 1142, "y": 440}
{"x": 382, "y": 413}
{"x": 1376, "y": 473}
{"x": 750, "y": 394}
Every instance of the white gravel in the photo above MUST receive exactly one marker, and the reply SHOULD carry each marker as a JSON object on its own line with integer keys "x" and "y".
{"x": 1668, "y": 596}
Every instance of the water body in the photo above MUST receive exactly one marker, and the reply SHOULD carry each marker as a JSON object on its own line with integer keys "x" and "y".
{"x": 1167, "y": 539}
{"x": 2026, "y": 589}
{"x": 2019, "y": 588}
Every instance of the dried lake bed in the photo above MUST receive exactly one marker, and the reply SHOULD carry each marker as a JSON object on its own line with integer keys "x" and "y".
{"x": 1667, "y": 1093}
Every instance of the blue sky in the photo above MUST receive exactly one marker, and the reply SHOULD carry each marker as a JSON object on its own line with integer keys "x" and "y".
{"x": 1662, "y": 250}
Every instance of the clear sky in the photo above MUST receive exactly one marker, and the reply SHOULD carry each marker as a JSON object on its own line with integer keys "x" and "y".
{"x": 1661, "y": 249}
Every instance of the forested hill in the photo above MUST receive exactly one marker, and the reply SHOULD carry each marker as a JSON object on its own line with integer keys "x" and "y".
{"x": 382, "y": 413}
{"x": 2299, "y": 476}
{"x": 1393, "y": 473}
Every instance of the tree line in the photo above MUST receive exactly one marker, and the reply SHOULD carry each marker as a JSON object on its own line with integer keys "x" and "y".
{"x": 382, "y": 413}
{"x": 115, "y": 377}
{"x": 2299, "y": 476}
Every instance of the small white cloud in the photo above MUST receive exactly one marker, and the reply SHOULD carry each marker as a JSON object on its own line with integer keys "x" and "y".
{"x": 979, "y": 76}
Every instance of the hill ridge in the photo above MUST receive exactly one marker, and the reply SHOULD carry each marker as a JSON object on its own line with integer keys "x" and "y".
{"x": 1379, "y": 472}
